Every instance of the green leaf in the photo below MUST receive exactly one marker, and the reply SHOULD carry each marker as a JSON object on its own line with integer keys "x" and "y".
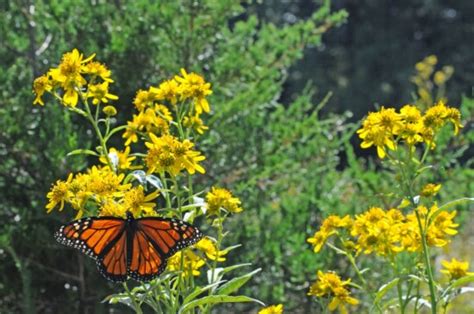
{"x": 235, "y": 283}
{"x": 462, "y": 282}
{"x": 82, "y": 152}
{"x": 233, "y": 267}
{"x": 197, "y": 291}
{"x": 384, "y": 289}
{"x": 456, "y": 202}
{"x": 215, "y": 299}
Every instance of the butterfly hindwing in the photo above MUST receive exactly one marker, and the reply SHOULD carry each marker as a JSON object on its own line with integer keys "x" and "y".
{"x": 112, "y": 264}
{"x": 146, "y": 262}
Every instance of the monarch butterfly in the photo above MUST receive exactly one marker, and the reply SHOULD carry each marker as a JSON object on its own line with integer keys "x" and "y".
{"x": 122, "y": 248}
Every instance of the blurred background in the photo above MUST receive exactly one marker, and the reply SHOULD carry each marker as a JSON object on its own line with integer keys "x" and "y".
{"x": 290, "y": 79}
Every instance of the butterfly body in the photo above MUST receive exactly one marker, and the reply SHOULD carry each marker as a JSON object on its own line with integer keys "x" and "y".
{"x": 123, "y": 248}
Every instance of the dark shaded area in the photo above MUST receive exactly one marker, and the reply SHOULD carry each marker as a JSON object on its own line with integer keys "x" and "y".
{"x": 370, "y": 59}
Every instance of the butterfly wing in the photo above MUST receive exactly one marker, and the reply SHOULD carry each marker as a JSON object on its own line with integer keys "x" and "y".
{"x": 102, "y": 238}
{"x": 156, "y": 239}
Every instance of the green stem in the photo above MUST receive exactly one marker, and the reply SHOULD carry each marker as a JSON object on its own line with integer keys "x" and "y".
{"x": 136, "y": 306}
{"x": 167, "y": 194}
{"x": 429, "y": 271}
{"x": 408, "y": 182}
{"x": 94, "y": 123}
{"x": 399, "y": 284}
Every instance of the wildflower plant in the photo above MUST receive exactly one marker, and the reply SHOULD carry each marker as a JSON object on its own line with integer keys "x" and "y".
{"x": 152, "y": 174}
{"x": 402, "y": 236}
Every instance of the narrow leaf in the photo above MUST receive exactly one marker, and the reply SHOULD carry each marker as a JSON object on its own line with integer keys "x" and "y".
{"x": 82, "y": 152}
{"x": 197, "y": 291}
{"x": 235, "y": 283}
{"x": 462, "y": 282}
{"x": 215, "y": 299}
{"x": 384, "y": 289}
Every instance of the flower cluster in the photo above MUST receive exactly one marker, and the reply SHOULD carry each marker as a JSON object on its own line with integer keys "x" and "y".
{"x": 219, "y": 198}
{"x": 386, "y": 128}
{"x": 388, "y": 232}
{"x": 328, "y": 228}
{"x": 75, "y": 77}
{"x": 331, "y": 285}
{"x": 101, "y": 190}
{"x": 169, "y": 154}
{"x": 190, "y": 90}
{"x": 427, "y": 78}
{"x": 192, "y": 261}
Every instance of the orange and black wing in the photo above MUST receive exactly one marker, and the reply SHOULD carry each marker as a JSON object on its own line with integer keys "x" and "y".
{"x": 102, "y": 238}
{"x": 156, "y": 239}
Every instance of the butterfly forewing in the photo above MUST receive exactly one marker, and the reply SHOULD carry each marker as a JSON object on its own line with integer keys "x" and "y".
{"x": 91, "y": 235}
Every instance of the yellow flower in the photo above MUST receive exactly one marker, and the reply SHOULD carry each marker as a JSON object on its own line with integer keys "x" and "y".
{"x": 410, "y": 114}
{"x": 379, "y": 129}
{"x": 435, "y": 116}
{"x": 113, "y": 208}
{"x": 388, "y": 119}
{"x": 412, "y": 125}
{"x": 456, "y": 269}
{"x": 120, "y": 159}
{"x": 330, "y": 285}
{"x": 100, "y": 93}
{"x": 163, "y": 112}
{"x": 110, "y": 111}
{"x": 59, "y": 194}
{"x": 191, "y": 263}
{"x": 97, "y": 69}
{"x": 412, "y": 133}
{"x": 40, "y": 85}
{"x": 151, "y": 122}
{"x": 68, "y": 75}
{"x": 148, "y": 121}
{"x": 440, "y": 227}
{"x": 193, "y": 86}
{"x": 341, "y": 298}
{"x": 168, "y": 154}
{"x": 131, "y": 132}
{"x": 101, "y": 183}
{"x": 168, "y": 90}
{"x": 209, "y": 247}
{"x": 79, "y": 194}
{"x": 328, "y": 228}
{"x": 195, "y": 123}
{"x": 272, "y": 309}
{"x": 430, "y": 189}
{"x": 219, "y": 198}
{"x": 454, "y": 116}
{"x": 439, "y": 78}
{"x": 142, "y": 99}
{"x": 138, "y": 203}
{"x": 378, "y": 231}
